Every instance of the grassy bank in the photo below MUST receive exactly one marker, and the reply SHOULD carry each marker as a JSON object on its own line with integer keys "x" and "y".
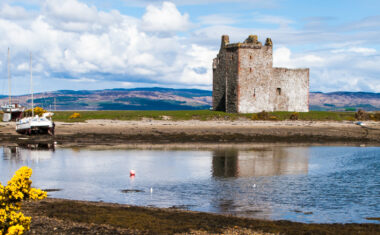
{"x": 203, "y": 115}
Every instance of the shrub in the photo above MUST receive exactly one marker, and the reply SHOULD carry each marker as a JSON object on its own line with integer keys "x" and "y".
{"x": 361, "y": 115}
{"x": 376, "y": 116}
{"x": 74, "y": 116}
{"x": 272, "y": 118}
{"x": 294, "y": 116}
{"x": 254, "y": 117}
{"x": 263, "y": 115}
{"x": 12, "y": 221}
{"x": 37, "y": 111}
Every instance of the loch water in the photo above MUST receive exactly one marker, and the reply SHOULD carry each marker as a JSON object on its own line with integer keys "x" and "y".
{"x": 313, "y": 184}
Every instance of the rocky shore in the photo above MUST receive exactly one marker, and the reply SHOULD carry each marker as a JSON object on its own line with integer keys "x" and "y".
{"x": 113, "y": 132}
{"x": 58, "y": 216}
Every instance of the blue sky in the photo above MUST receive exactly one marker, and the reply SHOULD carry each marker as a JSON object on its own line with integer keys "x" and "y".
{"x": 94, "y": 44}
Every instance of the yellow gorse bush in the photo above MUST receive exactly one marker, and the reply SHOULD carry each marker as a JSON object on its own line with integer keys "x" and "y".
{"x": 37, "y": 111}
{"x": 74, "y": 115}
{"x": 12, "y": 221}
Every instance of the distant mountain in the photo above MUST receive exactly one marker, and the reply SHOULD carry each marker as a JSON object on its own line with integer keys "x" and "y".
{"x": 158, "y": 98}
{"x": 155, "y": 98}
{"x": 344, "y": 101}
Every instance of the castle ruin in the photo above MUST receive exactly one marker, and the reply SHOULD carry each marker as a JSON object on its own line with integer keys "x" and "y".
{"x": 245, "y": 81}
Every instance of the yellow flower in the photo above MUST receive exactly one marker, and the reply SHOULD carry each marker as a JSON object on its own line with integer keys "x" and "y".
{"x": 11, "y": 196}
{"x": 15, "y": 230}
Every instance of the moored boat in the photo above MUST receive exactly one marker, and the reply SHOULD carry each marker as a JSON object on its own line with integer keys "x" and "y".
{"x": 35, "y": 124}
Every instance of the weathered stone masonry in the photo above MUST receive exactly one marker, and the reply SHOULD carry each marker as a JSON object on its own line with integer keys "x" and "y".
{"x": 245, "y": 81}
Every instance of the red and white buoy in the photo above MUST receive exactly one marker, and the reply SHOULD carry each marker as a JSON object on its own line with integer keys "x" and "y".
{"x": 132, "y": 173}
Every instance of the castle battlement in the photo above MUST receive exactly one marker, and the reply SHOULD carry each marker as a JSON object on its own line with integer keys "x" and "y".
{"x": 251, "y": 42}
{"x": 244, "y": 79}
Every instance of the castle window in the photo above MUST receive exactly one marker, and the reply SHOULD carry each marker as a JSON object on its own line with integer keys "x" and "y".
{"x": 254, "y": 92}
{"x": 278, "y": 91}
{"x": 250, "y": 57}
{"x": 250, "y": 70}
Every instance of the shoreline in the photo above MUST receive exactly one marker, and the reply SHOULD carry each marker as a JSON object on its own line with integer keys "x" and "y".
{"x": 62, "y": 216}
{"x": 154, "y": 132}
{"x": 82, "y": 217}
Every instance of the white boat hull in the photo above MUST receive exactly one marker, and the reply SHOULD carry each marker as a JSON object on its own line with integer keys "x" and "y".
{"x": 35, "y": 125}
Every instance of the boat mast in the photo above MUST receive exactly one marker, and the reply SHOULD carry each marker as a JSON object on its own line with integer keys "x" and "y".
{"x": 31, "y": 83}
{"x": 9, "y": 81}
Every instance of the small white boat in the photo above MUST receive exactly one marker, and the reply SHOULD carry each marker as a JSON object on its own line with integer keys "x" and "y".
{"x": 12, "y": 112}
{"x": 36, "y": 125}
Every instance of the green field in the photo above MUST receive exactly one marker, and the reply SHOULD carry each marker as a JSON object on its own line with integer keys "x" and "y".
{"x": 203, "y": 115}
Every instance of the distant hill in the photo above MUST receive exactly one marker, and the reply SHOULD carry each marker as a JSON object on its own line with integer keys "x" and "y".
{"x": 158, "y": 98}
{"x": 345, "y": 101}
{"x": 155, "y": 98}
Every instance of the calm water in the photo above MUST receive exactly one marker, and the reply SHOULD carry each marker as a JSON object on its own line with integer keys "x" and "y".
{"x": 308, "y": 184}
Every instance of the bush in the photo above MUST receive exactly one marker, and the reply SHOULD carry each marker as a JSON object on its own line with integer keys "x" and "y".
{"x": 263, "y": 115}
{"x": 294, "y": 116}
{"x": 74, "y": 116}
{"x": 37, "y": 111}
{"x": 254, "y": 117}
{"x": 12, "y": 221}
{"x": 272, "y": 118}
{"x": 361, "y": 115}
{"x": 377, "y": 116}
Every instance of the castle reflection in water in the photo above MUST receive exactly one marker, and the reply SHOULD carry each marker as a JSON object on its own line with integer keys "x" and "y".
{"x": 261, "y": 162}
{"x": 268, "y": 161}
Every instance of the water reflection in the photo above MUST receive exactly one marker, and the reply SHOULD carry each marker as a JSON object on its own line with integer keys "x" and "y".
{"x": 308, "y": 184}
{"x": 30, "y": 151}
{"x": 260, "y": 162}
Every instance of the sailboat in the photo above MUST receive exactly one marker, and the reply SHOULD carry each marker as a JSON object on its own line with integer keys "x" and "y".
{"x": 11, "y": 112}
{"x": 35, "y": 124}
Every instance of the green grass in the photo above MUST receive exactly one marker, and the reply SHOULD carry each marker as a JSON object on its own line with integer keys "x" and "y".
{"x": 203, "y": 115}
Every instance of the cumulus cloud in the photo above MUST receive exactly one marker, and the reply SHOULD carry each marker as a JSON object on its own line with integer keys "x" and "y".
{"x": 282, "y": 57}
{"x": 14, "y": 13}
{"x": 73, "y": 40}
{"x": 77, "y": 41}
{"x": 346, "y": 69}
{"x": 164, "y": 18}
{"x": 256, "y": 3}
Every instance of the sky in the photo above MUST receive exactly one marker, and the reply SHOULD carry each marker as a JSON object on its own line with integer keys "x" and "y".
{"x": 97, "y": 44}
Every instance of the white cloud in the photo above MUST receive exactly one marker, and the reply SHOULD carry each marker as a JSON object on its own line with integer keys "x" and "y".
{"x": 166, "y": 18}
{"x": 282, "y": 57}
{"x": 255, "y": 3}
{"x": 14, "y": 12}
{"x": 334, "y": 70}
{"x": 360, "y": 50}
{"x": 70, "y": 10}
{"x": 77, "y": 41}
{"x": 107, "y": 46}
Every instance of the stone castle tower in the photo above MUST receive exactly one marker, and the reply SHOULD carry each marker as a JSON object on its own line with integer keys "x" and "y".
{"x": 245, "y": 81}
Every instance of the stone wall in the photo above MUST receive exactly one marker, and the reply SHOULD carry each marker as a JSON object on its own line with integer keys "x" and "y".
{"x": 225, "y": 74}
{"x": 294, "y": 84}
{"x": 254, "y": 79}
